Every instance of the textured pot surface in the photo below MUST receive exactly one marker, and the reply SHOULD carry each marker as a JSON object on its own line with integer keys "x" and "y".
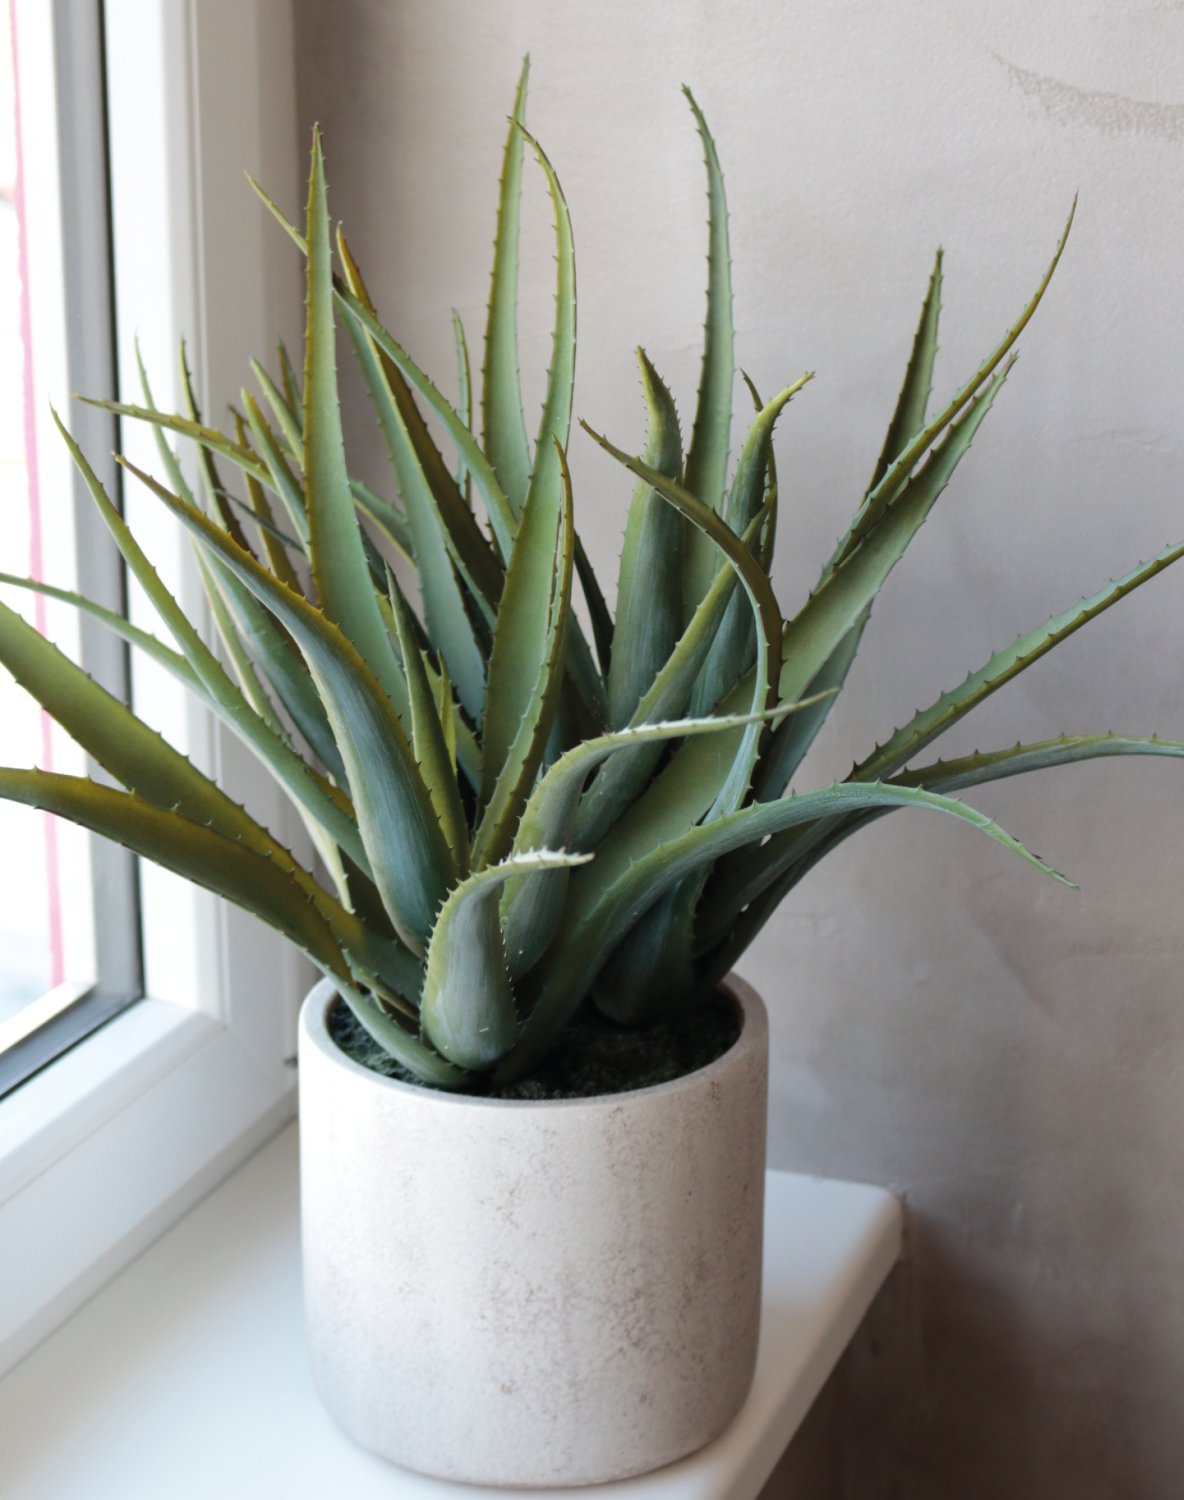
{"x": 533, "y": 1293}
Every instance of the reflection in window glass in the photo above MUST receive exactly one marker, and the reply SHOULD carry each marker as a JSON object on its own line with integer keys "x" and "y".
{"x": 30, "y": 937}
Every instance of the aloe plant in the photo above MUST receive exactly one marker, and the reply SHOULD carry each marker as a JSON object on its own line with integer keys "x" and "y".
{"x": 513, "y": 819}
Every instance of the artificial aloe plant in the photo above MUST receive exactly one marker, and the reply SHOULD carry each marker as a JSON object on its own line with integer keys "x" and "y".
{"x": 511, "y": 818}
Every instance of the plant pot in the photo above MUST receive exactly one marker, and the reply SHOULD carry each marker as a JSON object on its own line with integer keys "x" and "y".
{"x": 533, "y": 1293}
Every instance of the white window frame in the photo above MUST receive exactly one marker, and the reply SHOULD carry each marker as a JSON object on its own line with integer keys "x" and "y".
{"x": 114, "y": 1141}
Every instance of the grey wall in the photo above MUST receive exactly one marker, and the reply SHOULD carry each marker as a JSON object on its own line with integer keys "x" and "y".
{"x": 1008, "y": 1054}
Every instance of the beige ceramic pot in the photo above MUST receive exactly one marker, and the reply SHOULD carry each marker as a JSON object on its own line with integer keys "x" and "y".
{"x": 533, "y": 1293}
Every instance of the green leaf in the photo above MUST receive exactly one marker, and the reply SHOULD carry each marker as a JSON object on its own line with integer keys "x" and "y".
{"x": 824, "y": 622}
{"x": 464, "y": 399}
{"x": 909, "y": 417}
{"x": 649, "y": 586}
{"x": 281, "y": 664}
{"x": 408, "y": 855}
{"x": 833, "y": 609}
{"x": 502, "y": 420}
{"x": 600, "y": 617}
{"x": 606, "y": 902}
{"x": 766, "y": 545}
{"x": 468, "y": 1008}
{"x": 732, "y": 650}
{"x": 164, "y": 656}
{"x": 1001, "y": 667}
{"x": 445, "y": 613}
{"x": 420, "y": 1060}
{"x": 324, "y": 805}
{"x": 895, "y": 477}
{"x": 288, "y": 418}
{"x": 948, "y": 776}
{"x": 501, "y": 516}
{"x": 555, "y": 429}
{"x": 389, "y": 519}
{"x": 790, "y": 742}
{"x": 338, "y": 560}
{"x": 526, "y": 668}
{"x": 292, "y": 397}
{"x": 202, "y": 854}
{"x": 752, "y": 891}
{"x": 730, "y": 788}
{"x": 428, "y": 732}
{"x": 276, "y": 543}
{"x": 649, "y": 974}
{"x": 280, "y": 478}
{"x": 707, "y": 458}
{"x": 531, "y": 908}
{"x": 132, "y": 753}
{"x": 619, "y": 783}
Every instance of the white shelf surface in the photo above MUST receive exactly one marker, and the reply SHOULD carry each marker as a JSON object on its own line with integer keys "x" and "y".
{"x": 187, "y": 1378}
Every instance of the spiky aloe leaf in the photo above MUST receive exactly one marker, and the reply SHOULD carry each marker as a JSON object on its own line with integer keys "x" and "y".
{"x": 269, "y": 647}
{"x": 620, "y": 781}
{"x": 280, "y": 478}
{"x": 833, "y": 609}
{"x": 555, "y": 430}
{"x": 147, "y": 765}
{"x": 468, "y": 1008}
{"x": 607, "y": 899}
{"x": 210, "y": 438}
{"x": 464, "y": 399}
{"x": 765, "y": 545}
{"x": 790, "y": 742}
{"x": 288, "y": 418}
{"x": 132, "y": 753}
{"x": 422, "y": 1061}
{"x": 933, "y": 721}
{"x": 292, "y": 396}
{"x": 656, "y": 963}
{"x": 599, "y": 615}
{"x": 650, "y": 970}
{"x": 199, "y": 853}
{"x": 948, "y": 776}
{"x": 649, "y": 586}
{"x": 445, "y": 613}
{"x": 164, "y": 656}
{"x": 707, "y": 457}
{"x": 408, "y": 855}
{"x": 822, "y": 624}
{"x": 217, "y": 504}
{"x": 389, "y": 519}
{"x": 755, "y": 888}
{"x": 276, "y": 543}
{"x": 732, "y": 785}
{"x": 733, "y": 648}
{"x": 323, "y": 803}
{"x": 502, "y": 420}
{"x": 501, "y": 515}
{"x": 428, "y": 734}
{"x": 531, "y": 908}
{"x": 471, "y": 553}
{"x": 526, "y": 668}
{"x": 339, "y": 567}
{"x": 913, "y": 402}
{"x": 896, "y": 475}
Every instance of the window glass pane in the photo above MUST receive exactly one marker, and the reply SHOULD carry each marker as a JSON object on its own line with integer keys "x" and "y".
{"x": 30, "y": 939}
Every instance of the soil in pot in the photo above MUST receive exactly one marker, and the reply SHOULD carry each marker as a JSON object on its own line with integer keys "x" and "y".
{"x": 591, "y": 1057}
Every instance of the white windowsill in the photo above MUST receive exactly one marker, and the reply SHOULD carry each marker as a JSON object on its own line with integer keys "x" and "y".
{"x": 187, "y": 1375}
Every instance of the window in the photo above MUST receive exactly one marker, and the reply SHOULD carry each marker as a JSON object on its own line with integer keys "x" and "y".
{"x": 104, "y": 1147}
{"x": 69, "y": 930}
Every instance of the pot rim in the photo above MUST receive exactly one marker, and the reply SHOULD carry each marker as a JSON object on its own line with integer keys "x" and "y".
{"x": 754, "y": 1029}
